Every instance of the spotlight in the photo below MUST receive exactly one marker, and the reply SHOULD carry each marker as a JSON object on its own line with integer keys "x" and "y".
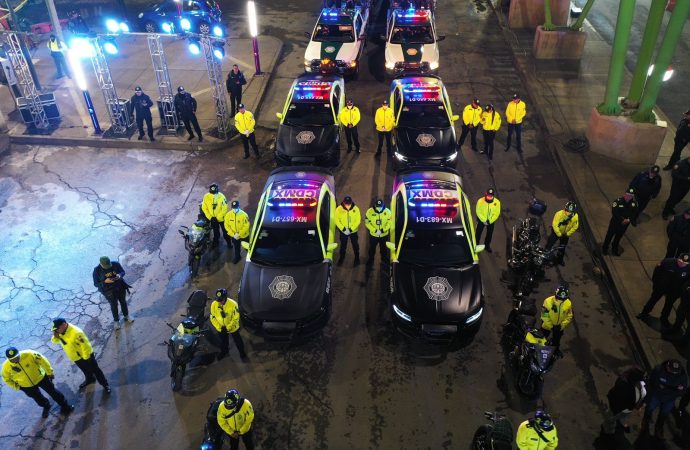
{"x": 194, "y": 46}
{"x": 110, "y": 47}
{"x": 217, "y": 31}
{"x": 112, "y": 26}
{"x": 185, "y": 24}
{"x": 124, "y": 27}
{"x": 167, "y": 27}
{"x": 218, "y": 50}
{"x": 81, "y": 47}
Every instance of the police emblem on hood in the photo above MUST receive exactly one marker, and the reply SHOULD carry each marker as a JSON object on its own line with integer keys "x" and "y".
{"x": 282, "y": 287}
{"x": 329, "y": 49}
{"x": 305, "y": 137}
{"x": 426, "y": 140}
{"x": 437, "y": 288}
{"x": 412, "y": 51}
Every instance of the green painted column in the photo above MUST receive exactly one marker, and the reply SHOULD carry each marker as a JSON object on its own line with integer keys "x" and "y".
{"x": 674, "y": 29}
{"x": 611, "y": 107}
{"x": 548, "y": 21}
{"x": 583, "y": 15}
{"x": 644, "y": 57}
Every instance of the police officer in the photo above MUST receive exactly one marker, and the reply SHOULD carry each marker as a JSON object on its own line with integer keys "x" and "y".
{"x": 491, "y": 123}
{"x": 109, "y": 277}
{"x": 142, "y": 107}
{"x": 57, "y": 50}
{"x": 667, "y": 382}
{"x": 185, "y": 105}
{"x": 244, "y": 122}
{"x": 78, "y": 349}
{"x": 234, "y": 85}
{"x": 237, "y": 227}
{"x": 225, "y": 318}
{"x": 678, "y": 233}
{"x": 681, "y": 316}
{"x": 29, "y": 371}
{"x": 235, "y": 417}
{"x": 667, "y": 279}
{"x": 680, "y": 140}
{"x": 347, "y": 219}
{"x": 384, "y": 120}
{"x": 538, "y": 433}
{"x": 377, "y": 219}
{"x": 623, "y": 213}
{"x": 680, "y": 185}
{"x": 349, "y": 118}
{"x": 556, "y": 314}
{"x": 215, "y": 207}
{"x": 564, "y": 224}
{"x": 515, "y": 113}
{"x": 488, "y": 209}
{"x": 646, "y": 185}
{"x": 471, "y": 116}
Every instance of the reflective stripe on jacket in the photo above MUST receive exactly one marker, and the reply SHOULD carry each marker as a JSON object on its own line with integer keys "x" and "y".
{"x": 378, "y": 221}
{"x": 488, "y": 212}
{"x": 528, "y": 439}
{"x": 347, "y": 218}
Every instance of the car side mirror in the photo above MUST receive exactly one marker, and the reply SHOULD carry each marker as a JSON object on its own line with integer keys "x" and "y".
{"x": 245, "y": 245}
{"x": 332, "y": 246}
{"x": 279, "y": 115}
{"x": 440, "y": 38}
{"x": 181, "y": 232}
{"x": 390, "y": 246}
{"x": 479, "y": 248}
{"x": 455, "y": 118}
{"x": 307, "y": 34}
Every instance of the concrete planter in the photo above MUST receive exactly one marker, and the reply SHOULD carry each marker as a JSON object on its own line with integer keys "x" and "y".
{"x": 620, "y": 138}
{"x": 530, "y": 13}
{"x": 559, "y": 44}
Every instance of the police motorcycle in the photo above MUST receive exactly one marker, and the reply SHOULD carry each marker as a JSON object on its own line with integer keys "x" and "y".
{"x": 521, "y": 319}
{"x": 185, "y": 341}
{"x": 213, "y": 434}
{"x": 533, "y": 358}
{"x": 197, "y": 241}
{"x": 496, "y": 434}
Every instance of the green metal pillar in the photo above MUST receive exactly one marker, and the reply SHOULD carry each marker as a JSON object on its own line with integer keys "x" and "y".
{"x": 583, "y": 15}
{"x": 611, "y": 107}
{"x": 548, "y": 22}
{"x": 644, "y": 57}
{"x": 674, "y": 29}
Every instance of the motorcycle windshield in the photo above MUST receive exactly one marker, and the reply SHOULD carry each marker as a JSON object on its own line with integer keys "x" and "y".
{"x": 181, "y": 342}
{"x": 196, "y": 235}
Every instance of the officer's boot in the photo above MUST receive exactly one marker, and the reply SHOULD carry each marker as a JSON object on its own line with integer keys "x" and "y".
{"x": 659, "y": 427}
{"x": 356, "y": 262}
{"x": 341, "y": 258}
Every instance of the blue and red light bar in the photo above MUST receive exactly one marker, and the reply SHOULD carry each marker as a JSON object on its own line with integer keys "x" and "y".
{"x": 433, "y": 198}
{"x": 414, "y": 16}
{"x": 301, "y": 195}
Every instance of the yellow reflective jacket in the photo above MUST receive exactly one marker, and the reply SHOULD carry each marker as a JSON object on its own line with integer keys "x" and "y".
{"x": 384, "y": 119}
{"x": 75, "y": 343}
{"x": 471, "y": 115}
{"x": 488, "y": 212}
{"x": 378, "y": 221}
{"x": 348, "y": 218}
{"x": 349, "y": 116}
{"x": 225, "y": 316}
{"x": 528, "y": 438}
{"x": 214, "y": 205}
{"x": 236, "y": 422}
{"x": 516, "y": 111}
{"x": 532, "y": 339}
{"x": 237, "y": 223}
{"x": 556, "y": 312}
{"x": 56, "y": 46}
{"x": 491, "y": 121}
{"x": 245, "y": 122}
{"x": 28, "y": 371}
{"x": 562, "y": 226}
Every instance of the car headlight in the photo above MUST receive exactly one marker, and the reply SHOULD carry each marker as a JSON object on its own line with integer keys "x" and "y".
{"x": 307, "y": 62}
{"x": 474, "y": 317}
{"x": 433, "y": 65}
{"x": 353, "y": 64}
{"x": 400, "y": 313}
{"x": 141, "y": 14}
{"x": 400, "y": 157}
{"x": 452, "y": 157}
{"x": 390, "y": 65}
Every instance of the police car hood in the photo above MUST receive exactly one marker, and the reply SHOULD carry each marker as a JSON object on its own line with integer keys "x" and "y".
{"x": 305, "y": 140}
{"x": 425, "y": 142}
{"x": 343, "y": 51}
{"x": 411, "y": 53}
{"x": 438, "y": 294}
{"x": 283, "y": 293}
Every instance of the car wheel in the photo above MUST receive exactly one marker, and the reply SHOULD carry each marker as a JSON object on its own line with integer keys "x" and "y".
{"x": 204, "y": 28}
{"x": 150, "y": 27}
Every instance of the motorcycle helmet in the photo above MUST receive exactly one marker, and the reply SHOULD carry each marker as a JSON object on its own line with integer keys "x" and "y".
{"x": 537, "y": 333}
{"x": 201, "y": 223}
{"x": 673, "y": 366}
{"x": 213, "y": 189}
{"x": 571, "y": 207}
{"x": 379, "y": 205}
{"x": 232, "y": 399}
{"x": 543, "y": 420}
{"x": 562, "y": 292}
{"x": 221, "y": 293}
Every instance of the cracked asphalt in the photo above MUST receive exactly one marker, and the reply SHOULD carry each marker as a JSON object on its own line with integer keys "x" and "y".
{"x": 356, "y": 385}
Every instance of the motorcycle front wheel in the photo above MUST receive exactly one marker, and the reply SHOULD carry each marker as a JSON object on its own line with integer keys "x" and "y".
{"x": 527, "y": 383}
{"x": 194, "y": 264}
{"x": 176, "y": 379}
{"x": 481, "y": 438}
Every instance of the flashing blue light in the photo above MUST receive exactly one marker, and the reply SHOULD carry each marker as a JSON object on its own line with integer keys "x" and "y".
{"x": 219, "y": 52}
{"x": 81, "y": 46}
{"x": 124, "y": 27}
{"x": 112, "y": 25}
{"x": 217, "y": 31}
{"x": 186, "y": 24}
{"x": 194, "y": 47}
{"x": 167, "y": 27}
{"x": 110, "y": 47}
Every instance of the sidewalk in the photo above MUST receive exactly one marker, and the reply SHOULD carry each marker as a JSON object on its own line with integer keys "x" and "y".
{"x": 564, "y": 99}
{"x": 132, "y": 67}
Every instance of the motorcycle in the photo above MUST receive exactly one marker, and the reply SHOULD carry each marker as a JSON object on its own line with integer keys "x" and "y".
{"x": 184, "y": 343}
{"x": 213, "y": 434}
{"x": 521, "y": 319}
{"x": 197, "y": 241}
{"x": 532, "y": 362}
{"x": 527, "y": 260}
{"x": 496, "y": 434}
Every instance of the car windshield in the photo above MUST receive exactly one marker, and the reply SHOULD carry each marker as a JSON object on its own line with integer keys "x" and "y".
{"x": 424, "y": 116}
{"x": 305, "y": 114}
{"x": 333, "y": 33}
{"x": 290, "y": 246}
{"x": 412, "y": 34}
{"x": 446, "y": 247}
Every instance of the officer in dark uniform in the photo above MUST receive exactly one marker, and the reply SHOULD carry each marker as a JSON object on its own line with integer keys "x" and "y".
{"x": 681, "y": 316}
{"x": 185, "y": 105}
{"x": 142, "y": 106}
{"x": 623, "y": 213}
{"x": 678, "y": 232}
{"x": 668, "y": 278}
{"x": 680, "y": 185}
{"x": 680, "y": 140}
{"x": 646, "y": 185}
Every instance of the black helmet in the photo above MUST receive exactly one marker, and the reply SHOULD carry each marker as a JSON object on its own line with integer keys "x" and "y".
{"x": 537, "y": 333}
{"x": 180, "y": 89}
{"x": 571, "y": 207}
{"x": 232, "y": 399}
{"x": 379, "y": 203}
{"x": 562, "y": 292}
{"x": 221, "y": 293}
{"x": 543, "y": 420}
{"x": 213, "y": 189}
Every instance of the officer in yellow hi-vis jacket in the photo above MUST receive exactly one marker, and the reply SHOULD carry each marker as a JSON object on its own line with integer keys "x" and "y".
{"x": 237, "y": 226}
{"x": 235, "y": 417}
{"x": 214, "y": 206}
{"x": 225, "y": 318}
{"x": 378, "y": 221}
{"x": 57, "y": 49}
{"x": 538, "y": 433}
{"x": 471, "y": 116}
{"x": 385, "y": 120}
{"x": 515, "y": 112}
{"x": 488, "y": 209}
{"x": 347, "y": 220}
{"x": 491, "y": 123}
{"x": 565, "y": 223}
{"x": 349, "y": 118}
{"x": 556, "y": 314}
{"x": 244, "y": 122}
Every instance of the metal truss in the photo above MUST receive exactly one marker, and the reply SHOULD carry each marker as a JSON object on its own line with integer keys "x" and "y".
{"x": 215, "y": 77}
{"x": 117, "y": 109}
{"x": 165, "y": 90}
